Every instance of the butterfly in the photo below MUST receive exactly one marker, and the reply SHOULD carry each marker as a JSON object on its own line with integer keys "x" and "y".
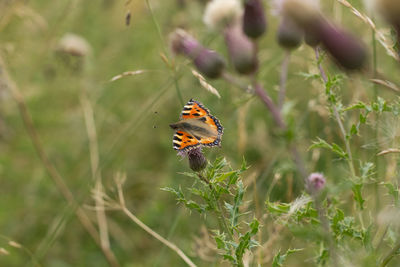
{"x": 197, "y": 127}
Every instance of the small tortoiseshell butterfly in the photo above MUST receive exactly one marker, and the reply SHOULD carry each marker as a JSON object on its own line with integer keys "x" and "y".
{"x": 196, "y": 127}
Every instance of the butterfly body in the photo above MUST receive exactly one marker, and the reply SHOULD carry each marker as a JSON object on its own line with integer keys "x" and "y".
{"x": 197, "y": 127}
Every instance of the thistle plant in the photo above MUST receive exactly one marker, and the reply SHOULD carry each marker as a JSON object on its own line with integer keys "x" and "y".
{"x": 305, "y": 171}
{"x": 316, "y": 213}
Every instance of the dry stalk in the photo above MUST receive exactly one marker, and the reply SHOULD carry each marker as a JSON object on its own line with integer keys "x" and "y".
{"x": 119, "y": 181}
{"x": 383, "y": 40}
{"x": 48, "y": 165}
{"x": 96, "y": 172}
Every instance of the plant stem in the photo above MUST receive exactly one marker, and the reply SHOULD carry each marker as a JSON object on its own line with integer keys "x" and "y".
{"x": 122, "y": 206}
{"x": 96, "y": 172}
{"x": 376, "y": 137}
{"x": 283, "y": 79}
{"x": 390, "y": 255}
{"x": 325, "y": 227}
{"x": 221, "y": 217}
{"x": 338, "y": 118}
{"x": 158, "y": 237}
{"x": 276, "y": 114}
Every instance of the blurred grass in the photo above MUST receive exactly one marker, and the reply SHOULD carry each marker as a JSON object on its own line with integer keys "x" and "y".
{"x": 132, "y": 117}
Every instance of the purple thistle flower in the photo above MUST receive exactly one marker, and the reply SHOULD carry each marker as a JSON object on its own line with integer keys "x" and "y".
{"x": 315, "y": 182}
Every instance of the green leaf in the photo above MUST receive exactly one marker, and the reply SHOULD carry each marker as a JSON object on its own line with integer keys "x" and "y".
{"x": 178, "y": 193}
{"x": 367, "y": 170}
{"x": 356, "y": 188}
{"x": 320, "y": 143}
{"x": 354, "y": 129}
{"x": 223, "y": 176}
{"x": 309, "y": 75}
{"x": 393, "y": 191}
{"x": 254, "y": 226}
{"x": 279, "y": 258}
{"x": 189, "y": 174}
{"x": 279, "y": 208}
{"x": 194, "y": 206}
{"x": 359, "y": 105}
{"x": 237, "y": 201}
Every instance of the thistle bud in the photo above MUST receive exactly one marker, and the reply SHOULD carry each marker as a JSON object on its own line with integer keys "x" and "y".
{"x": 348, "y": 52}
{"x": 241, "y": 50}
{"x": 311, "y": 38}
{"x": 208, "y": 62}
{"x": 289, "y": 34}
{"x": 315, "y": 182}
{"x": 197, "y": 161}
{"x": 254, "y": 22}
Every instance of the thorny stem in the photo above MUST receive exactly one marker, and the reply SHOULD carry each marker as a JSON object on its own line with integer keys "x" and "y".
{"x": 50, "y": 168}
{"x": 283, "y": 79}
{"x": 276, "y": 114}
{"x": 338, "y": 118}
{"x": 221, "y": 217}
{"x": 325, "y": 226}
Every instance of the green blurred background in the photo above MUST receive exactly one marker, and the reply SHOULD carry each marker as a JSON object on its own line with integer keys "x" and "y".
{"x": 132, "y": 115}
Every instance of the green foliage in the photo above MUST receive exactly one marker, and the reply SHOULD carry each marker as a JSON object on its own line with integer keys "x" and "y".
{"x": 220, "y": 183}
{"x": 279, "y": 258}
{"x": 348, "y": 120}
{"x": 320, "y": 143}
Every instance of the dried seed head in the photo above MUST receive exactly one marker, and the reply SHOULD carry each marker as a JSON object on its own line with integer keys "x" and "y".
{"x": 316, "y": 182}
{"x": 222, "y": 13}
{"x": 74, "y": 45}
{"x": 254, "y": 21}
{"x": 208, "y": 62}
{"x": 197, "y": 160}
{"x": 241, "y": 50}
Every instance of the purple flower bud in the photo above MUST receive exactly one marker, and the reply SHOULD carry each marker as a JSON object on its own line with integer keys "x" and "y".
{"x": 289, "y": 34}
{"x": 310, "y": 38}
{"x": 348, "y": 52}
{"x": 315, "y": 182}
{"x": 197, "y": 161}
{"x": 241, "y": 50}
{"x": 208, "y": 62}
{"x": 254, "y": 22}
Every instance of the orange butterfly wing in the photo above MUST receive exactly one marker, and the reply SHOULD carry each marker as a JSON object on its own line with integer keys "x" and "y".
{"x": 184, "y": 141}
